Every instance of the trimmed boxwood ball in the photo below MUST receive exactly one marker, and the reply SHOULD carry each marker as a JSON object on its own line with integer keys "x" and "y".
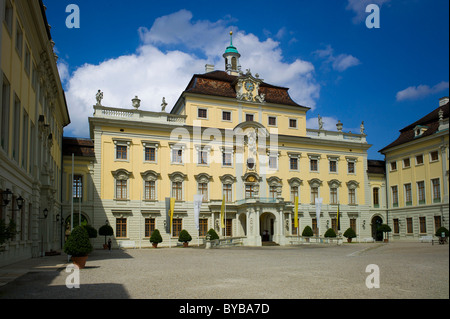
{"x": 307, "y": 232}
{"x": 156, "y": 237}
{"x": 184, "y": 236}
{"x": 213, "y": 234}
{"x": 385, "y": 228}
{"x": 440, "y": 231}
{"x": 106, "y": 230}
{"x": 350, "y": 233}
{"x": 330, "y": 233}
{"x": 78, "y": 244}
{"x": 92, "y": 232}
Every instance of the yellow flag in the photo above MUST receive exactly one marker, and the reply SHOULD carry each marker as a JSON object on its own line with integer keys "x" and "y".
{"x": 296, "y": 212}
{"x": 222, "y": 213}
{"x": 172, "y": 208}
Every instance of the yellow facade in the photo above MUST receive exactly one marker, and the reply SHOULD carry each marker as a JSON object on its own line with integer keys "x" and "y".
{"x": 33, "y": 115}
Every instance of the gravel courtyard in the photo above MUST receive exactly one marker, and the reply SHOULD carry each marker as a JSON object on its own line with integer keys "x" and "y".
{"x": 407, "y": 270}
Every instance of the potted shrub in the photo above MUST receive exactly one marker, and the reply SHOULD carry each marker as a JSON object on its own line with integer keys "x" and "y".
{"x": 185, "y": 238}
{"x": 330, "y": 233}
{"x": 156, "y": 238}
{"x": 385, "y": 229}
{"x": 350, "y": 234}
{"x": 307, "y": 232}
{"x": 213, "y": 234}
{"x": 106, "y": 230}
{"x": 7, "y": 232}
{"x": 78, "y": 246}
{"x": 439, "y": 234}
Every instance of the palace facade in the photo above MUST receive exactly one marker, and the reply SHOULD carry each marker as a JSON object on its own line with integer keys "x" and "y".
{"x": 233, "y": 137}
{"x": 33, "y": 115}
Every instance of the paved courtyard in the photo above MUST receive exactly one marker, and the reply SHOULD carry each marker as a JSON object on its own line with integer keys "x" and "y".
{"x": 407, "y": 270}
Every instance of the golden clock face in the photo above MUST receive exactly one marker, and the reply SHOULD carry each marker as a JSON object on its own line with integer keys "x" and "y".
{"x": 249, "y": 86}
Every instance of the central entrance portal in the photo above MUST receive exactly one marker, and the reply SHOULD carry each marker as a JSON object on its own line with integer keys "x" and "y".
{"x": 267, "y": 227}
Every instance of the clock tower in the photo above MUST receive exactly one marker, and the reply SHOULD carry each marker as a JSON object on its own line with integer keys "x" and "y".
{"x": 231, "y": 55}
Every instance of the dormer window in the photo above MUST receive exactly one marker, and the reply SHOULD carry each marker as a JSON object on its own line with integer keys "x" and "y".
{"x": 419, "y": 130}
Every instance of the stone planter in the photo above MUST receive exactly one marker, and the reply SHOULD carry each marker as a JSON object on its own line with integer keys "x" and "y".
{"x": 80, "y": 262}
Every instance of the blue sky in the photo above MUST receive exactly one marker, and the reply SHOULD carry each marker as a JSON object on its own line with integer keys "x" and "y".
{"x": 322, "y": 50}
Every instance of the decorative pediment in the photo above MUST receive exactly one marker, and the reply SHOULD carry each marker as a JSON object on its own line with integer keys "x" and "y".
{"x": 352, "y": 184}
{"x": 121, "y": 174}
{"x": 177, "y": 177}
{"x": 334, "y": 183}
{"x": 251, "y": 178}
{"x": 150, "y": 176}
{"x": 227, "y": 179}
{"x": 274, "y": 181}
{"x": 315, "y": 182}
{"x": 295, "y": 182}
{"x": 203, "y": 178}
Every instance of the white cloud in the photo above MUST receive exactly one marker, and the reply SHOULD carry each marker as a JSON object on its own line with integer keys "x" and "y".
{"x": 359, "y": 8}
{"x": 339, "y": 63}
{"x": 63, "y": 70}
{"x": 160, "y": 68}
{"x": 421, "y": 91}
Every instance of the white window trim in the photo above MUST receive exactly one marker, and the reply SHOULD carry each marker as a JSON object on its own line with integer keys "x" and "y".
{"x": 154, "y": 145}
{"x": 432, "y": 189}
{"x": 415, "y": 159}
{"x": 390, "y": 166}
{"x": 207, "y": 113}
{"x": 434, "y": 161}
{"x": 252, "y": 114}
{"x": 227, "y": 151}
{"x": 276, "y": 121}
{"x": 405, "y": 194}
{"x": 298, "y": 157}
{"x": 119, "y": 142}
{"x": 424, "y": 192}
{"x": 183, "y": 154}
{"x": 316, "y": 157}
{"x": 403, "y": 163}
{"x": 333, "y": 159}
{"x": 231, "y": 116}
{"x": 296, "y": 123}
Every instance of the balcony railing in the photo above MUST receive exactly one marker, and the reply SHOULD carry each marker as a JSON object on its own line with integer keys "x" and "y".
{"x": 138, "y": 115}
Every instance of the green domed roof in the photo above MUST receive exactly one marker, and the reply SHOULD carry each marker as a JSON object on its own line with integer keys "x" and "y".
{"x": 231, "y": 48}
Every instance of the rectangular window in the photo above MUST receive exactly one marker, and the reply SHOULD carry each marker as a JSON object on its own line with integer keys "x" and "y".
{"x": 121, "y": 227}
{"x": 121, "y": 189}
{"x": 272, "y": 121}
{"x": 203, "y": 113}
{"x": 406, "y": 163}
{"x": 292, "y": 123}
{"x": 25, "y": 140}
{"x": 421, "y": 192}
{"x": 293, "y": 163}
{"x": 203, "y": 223}
{"x": 203, "y": 190}
{"x": 19, "y": 39}
{"x": 121, "y": 152}
{"x": 419, "y": 159}
{"x": 333, "y": 167}
{"x": 353, "y": 224}
{"x": 436, "y": 190}
{"x": 396, "y": 226}
{"x": 313, "y": 165}
{"x": 273, "y": 192}
{"x": 423, "y": 225}
{"x": 295, "y": 193}
{"x": 4, "y": 138}
{"x": 228, "y": 192}
{"x": 434, "y": 156}
{"x": 393, "y": 166}
{"x": 203, "y": 157}
{"x": 249, "y": 117}
{"x": 249, "y": 191}
{"x": 376, "y": 197}
{"x": 16, "y": 137}
{"x": 273, "y": 162}
{"x": 408, "y": 195}
{"x": 333, "y": 196}
{"x": 394, "y": 196}
{"x": 229, "y": 227}
{"x": 150, "y": 190}
{"x": 150, "y": 154}
{"x": 177, "y": 190}
{"x": 314, "y": 226}
{"x": 149, "y": 227}
{"x": 27, "y": 61}
{"x": 177, "y": 227}
{"x": 9, "y": 15}
{"x": 177, "y": 156}
{"x": 352, "y": 196}
{"x": 409, "y": 225}
{"x": 226, "y": 116}
{"x": 437, "y": 222}
{"x": 227, "y": 159}
{"x": 78, "y": 187}
{"x": 351, "y": 167}
{"x": 314, "y": 194}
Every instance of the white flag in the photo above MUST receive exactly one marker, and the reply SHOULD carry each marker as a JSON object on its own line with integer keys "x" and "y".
{"x": 318, "y": 209}
{"x": 198, "y": 199}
